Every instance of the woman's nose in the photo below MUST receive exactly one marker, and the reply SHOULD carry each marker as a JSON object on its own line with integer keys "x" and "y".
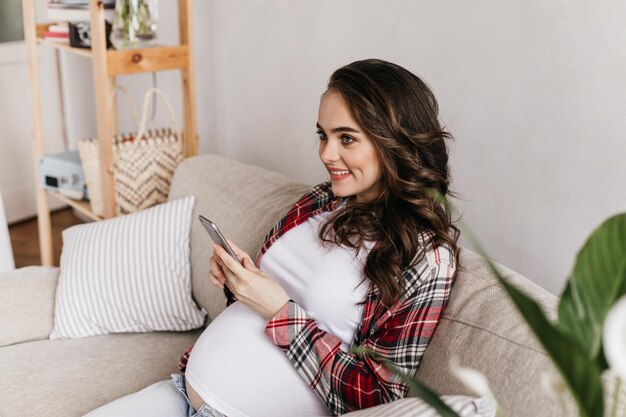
{"x": 329, "y": 151}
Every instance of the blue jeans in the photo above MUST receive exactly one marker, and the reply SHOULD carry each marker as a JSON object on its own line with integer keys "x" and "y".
{"x": 163, "y": 399}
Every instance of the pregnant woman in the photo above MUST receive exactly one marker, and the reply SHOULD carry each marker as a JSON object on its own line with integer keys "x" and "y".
{"x": 365, "y": 260}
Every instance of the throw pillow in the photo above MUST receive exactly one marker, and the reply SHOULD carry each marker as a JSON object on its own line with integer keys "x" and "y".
{"x": 128, "y": 274}
{"x": 463, "y": 405}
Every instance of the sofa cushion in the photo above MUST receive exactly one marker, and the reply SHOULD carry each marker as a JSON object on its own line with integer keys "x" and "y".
{"x": 26, "y": 304}
{"x": 71, "y": 377}
{"x": 463, "y": 405}
{"x": 244, "y": 201}
{"x": 128, "y": 274}
{"x": 482, "y": 328}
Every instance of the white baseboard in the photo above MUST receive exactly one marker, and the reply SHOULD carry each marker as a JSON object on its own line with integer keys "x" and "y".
{"x": 6, "y": 251}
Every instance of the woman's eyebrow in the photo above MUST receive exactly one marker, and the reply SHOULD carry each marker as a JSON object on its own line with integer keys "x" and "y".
{"x": 339, "y": 129}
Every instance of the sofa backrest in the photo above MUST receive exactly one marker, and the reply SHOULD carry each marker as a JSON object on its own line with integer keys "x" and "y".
{"x": 480, "y": 326}
{"x": 483, "y": 330}
{"x": 244, "y": 201}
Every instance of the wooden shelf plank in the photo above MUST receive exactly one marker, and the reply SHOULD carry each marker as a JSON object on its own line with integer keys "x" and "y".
{"x": 41, "y": 29}
{"x": 158, "y": 58}
{"x": 65, "y": 47}
{"x": 131, "y": 61}
{"x": 81, "y": 205}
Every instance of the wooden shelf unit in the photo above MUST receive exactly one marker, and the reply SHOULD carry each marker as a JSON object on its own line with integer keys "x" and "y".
{"x": 81, "y": 206}
{"x": 107, "y": 64}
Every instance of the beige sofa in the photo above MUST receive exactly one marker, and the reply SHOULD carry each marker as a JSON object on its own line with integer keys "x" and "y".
{"x": 40, "y": 377}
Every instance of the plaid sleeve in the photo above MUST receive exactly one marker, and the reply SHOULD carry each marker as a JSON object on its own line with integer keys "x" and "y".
{"x": 182, "y": 363}
{"x": 347, "y": 382}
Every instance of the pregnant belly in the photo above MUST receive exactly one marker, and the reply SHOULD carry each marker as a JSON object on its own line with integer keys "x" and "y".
{"x": 194, "y": 397}
{"x": 236, "y": 369}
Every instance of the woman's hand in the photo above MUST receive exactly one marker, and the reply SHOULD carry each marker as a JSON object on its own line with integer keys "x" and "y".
{"x": 249, "y": 284}
{"x": 216, "y": 273}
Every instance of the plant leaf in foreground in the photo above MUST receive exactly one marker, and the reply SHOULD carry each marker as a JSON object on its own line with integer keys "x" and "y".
{"x": 581, "y": 374}
{"x": 598, "y": 279}
{"x": 422, "y": 391}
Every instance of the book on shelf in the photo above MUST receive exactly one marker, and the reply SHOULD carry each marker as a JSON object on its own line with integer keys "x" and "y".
{"x": 108, "y": 4}
{"x": 57, "y": 37}
{"x": 76, "y": 10}
{"x": 61, "y": 27}
{"x": 58, "y": 32}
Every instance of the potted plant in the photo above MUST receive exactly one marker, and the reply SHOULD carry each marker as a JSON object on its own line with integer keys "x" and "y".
{"x": 589, "y": 336}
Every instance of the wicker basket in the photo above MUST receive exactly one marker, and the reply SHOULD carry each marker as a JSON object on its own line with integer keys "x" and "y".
{"x": 142, "y": 169}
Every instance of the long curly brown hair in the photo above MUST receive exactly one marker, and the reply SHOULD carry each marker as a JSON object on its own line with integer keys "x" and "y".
{"x": 399, "y": 113}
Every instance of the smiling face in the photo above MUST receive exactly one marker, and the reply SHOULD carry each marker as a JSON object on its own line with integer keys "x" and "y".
{"x": 348, "y": 154}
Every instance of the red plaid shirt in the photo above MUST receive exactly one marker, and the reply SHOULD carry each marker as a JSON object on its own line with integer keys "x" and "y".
{"x": 400, "y": 334}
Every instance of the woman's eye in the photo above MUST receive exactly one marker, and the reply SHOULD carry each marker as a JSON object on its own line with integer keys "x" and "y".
{"x": 346, "y": 140}
{"x": 321, "y": 135}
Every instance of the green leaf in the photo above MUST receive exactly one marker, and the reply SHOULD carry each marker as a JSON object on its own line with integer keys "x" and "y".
{"x": 422, "y": 391}
{"x": 597, "y": 281}
{"x": 581, "y": 375}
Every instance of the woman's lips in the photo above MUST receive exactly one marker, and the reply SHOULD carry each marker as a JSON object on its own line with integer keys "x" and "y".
{"x": 338, "y": 175}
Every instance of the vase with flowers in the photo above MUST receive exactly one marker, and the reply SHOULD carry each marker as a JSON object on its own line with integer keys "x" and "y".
{"x": 134, "y": 24}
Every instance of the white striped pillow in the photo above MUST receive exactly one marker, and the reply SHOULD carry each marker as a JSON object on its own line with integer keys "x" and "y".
{"x": 463, "y": 405}
{"x": 128, "y": 274}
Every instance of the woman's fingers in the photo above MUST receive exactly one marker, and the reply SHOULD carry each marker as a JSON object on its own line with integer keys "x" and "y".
{"x": 236, "y": 249}
{"x": 250, "y": 285}
{"x": 216, "y": 282}
{"x": 240, "y": 254}
{"x": 248, "y": 264}
{"x": 216, "y": 274}
{"x": 216, "y": 269}
{"x": 226, "y": 260}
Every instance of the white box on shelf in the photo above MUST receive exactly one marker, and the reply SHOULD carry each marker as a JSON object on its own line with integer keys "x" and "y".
{"x": 63, "y": 172}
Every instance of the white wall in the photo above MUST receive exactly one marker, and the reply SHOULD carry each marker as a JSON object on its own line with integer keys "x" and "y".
{"x": 534, "y": 92}
{"x": 17, "y": 180}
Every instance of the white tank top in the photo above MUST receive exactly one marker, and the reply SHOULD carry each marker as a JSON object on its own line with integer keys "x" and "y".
{"x": 235, "y": 367}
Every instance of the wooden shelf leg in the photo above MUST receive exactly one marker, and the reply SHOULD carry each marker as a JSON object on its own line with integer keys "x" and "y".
{"x": 102, "y": 83}
{"x": 188, "y": 79}
{"x": 43, "y": 209}
{"x": 114, "y": 117}
{"x": 44, "y": 224}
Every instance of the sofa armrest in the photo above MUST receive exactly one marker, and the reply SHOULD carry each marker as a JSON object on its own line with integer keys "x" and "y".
{"x": 27, "y": 304}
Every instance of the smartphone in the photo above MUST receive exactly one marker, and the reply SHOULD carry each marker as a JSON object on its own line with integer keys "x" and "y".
{"x": 219, "y": 239}
{"x": 217, "y": 236}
